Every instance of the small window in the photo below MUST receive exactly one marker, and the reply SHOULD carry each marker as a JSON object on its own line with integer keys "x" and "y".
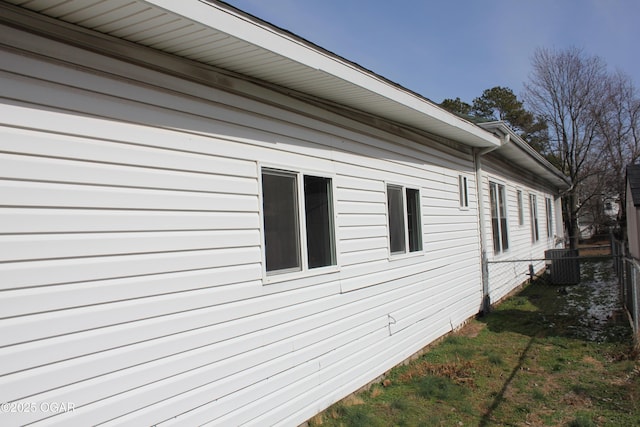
{"x": 549, "y": 210}
{"x": 533, "y": 211}
{"x": 520, "y": 209}
{"x": 284, "y": 223}
{"x": 403, "y": 209}
{"x": 499, "y": 224}
{"x": 463, "y": 191}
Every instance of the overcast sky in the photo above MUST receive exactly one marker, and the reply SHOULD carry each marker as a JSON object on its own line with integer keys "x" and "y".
{"x": 458, "y": 48}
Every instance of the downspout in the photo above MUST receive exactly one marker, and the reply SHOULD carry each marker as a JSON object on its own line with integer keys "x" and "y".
{"x": 477, "y": 159}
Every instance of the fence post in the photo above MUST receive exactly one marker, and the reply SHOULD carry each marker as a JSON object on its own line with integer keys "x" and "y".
{"x": 486, "y": 297}
{"x": 635, "y": 308}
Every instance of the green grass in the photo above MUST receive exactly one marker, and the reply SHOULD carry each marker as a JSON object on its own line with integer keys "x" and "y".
{"x": 531, "y": 361}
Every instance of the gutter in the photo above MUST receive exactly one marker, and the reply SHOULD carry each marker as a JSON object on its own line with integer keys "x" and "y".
{"x": 542, "y": 166}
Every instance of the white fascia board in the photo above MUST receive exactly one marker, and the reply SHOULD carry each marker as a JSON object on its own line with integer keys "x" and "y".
{"x": 261, "y": 34}
{"x": 535, "y": 160}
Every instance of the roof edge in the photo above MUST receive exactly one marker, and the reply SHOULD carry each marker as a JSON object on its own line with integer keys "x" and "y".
{"x": 256, "y": 31}
{"x": 562, "y": 181}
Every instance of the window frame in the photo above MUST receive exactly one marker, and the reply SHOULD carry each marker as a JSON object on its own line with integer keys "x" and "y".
{"x": 520, "y": 203}
{"x": 303, "y": 270}
{"x": 534, "y": 217}
{"x": 501, "y": 244}
{"x": 463, "y": 192}
{"x": 407, "y": 252}
{"x": 548, "y": 205}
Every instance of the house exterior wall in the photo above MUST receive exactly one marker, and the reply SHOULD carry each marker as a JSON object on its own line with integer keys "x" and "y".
{"x": 633, "y": 221}
{"x": 132, "y": 286}
{"x": 510, "y": 268}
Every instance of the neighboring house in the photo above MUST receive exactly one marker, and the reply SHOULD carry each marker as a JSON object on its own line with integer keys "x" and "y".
{"x": 598, "y": 215}
{"x": 632, "y": 201}
{"x": 611, "y": 207}
{"x": 586, "y": 223}
{"x": 207, "y": 219}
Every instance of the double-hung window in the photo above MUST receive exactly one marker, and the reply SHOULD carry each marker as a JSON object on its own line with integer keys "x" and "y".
{"x": 549, "y": 211}
{"x": 533, "y": 211}
{"x": 499, "y": 223}
{"x": 298, "y": 221}
{"x": 403, "y": 209}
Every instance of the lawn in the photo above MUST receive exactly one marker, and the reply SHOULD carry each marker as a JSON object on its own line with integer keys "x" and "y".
{"x": 548, "y": 356}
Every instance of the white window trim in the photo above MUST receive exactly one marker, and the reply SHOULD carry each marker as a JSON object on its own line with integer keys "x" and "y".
{"x": 463, "y": 197}
{"x": 520, "y": 207}
{"x": 304, "y": 271}
{"x": 499, "y": 183}
{"x": 548, "y": 212}
{"x": 534, "y": 219}
{"x": 407, "y": 253}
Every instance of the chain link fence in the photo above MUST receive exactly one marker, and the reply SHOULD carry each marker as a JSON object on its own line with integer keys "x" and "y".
{"x": 562, "y": 267}
{"x": 628, "y": 271}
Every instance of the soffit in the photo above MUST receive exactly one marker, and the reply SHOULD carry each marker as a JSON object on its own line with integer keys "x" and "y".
{"x": 216, "y": 34}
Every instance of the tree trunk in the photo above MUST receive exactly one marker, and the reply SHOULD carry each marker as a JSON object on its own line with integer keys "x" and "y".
{"x": 571, "y": 219}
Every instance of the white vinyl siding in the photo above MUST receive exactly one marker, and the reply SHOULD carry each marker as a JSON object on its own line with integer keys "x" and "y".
{"x": 508, "y": 271}
{"x": 132, "y": 259}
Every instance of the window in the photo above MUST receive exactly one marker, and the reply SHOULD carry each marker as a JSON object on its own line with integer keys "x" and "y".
{"x": 319, "y": 221}
{"x": 533, "y": 211}
{"x": 499, "y": 223}
{"x": 520, "y": 208}
{"x": 403, "y": 208}
{"x": 547, "y": 204}
{"x": 286, "y": 221}
{"x": 463, "y": 192}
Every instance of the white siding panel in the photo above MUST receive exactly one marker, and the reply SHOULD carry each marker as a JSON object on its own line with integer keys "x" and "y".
{"x": 19, "y": 302}
{"x": 42, "y": 220}
{"x": 360, "y": 207}
{"x": 50, "y": 246}
{"x": 52, "y": 170}
{"x": 364, "y": 256}
{"x": 350, "y": 195}
{"x": 363, "y": 220}
{"x": 352, "y": 343}
{"x": 266, "y": 315}
{"x": 214, "y": 408}
{"x": 195, "y": 370}
{"x": 359, "y": 245}
{"x": 23, "y": 194}
{"x": 209, "y": 160}
{"x": 39, "y": 273}
{"x": 347, "y": 233}
{"x": 372, "y": 274}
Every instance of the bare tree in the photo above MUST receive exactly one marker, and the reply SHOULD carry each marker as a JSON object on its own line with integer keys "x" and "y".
{"x": 618, "y": 128}
{"x": 566, "y": 89}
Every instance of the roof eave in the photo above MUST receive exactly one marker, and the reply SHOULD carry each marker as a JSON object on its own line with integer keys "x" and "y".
{"x": 535, "y": 163}
{"x": 238, "y": 24}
